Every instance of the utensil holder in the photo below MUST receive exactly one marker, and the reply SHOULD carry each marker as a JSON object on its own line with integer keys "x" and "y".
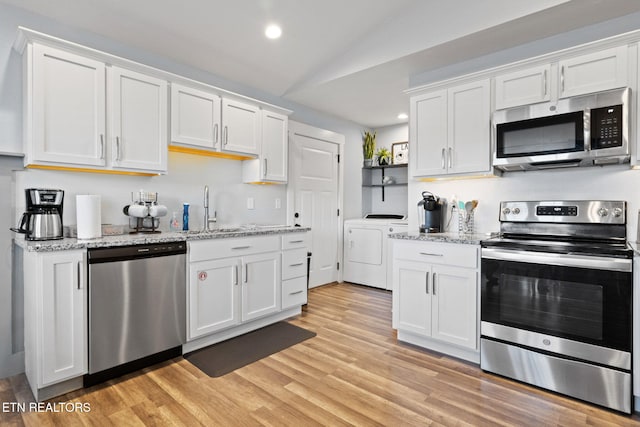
{"x": 465, "y": 222}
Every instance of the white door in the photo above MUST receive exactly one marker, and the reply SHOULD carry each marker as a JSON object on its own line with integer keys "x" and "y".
{"x": 68, "y": 108}
{"x": 261, "y": 285}
{"x": 213, "y": 296}
{"x": 240, "y": 127}
{"x": 64, "y": 316}
{"x": 195, "y": 117}
{"x": 314, "y": 196}
{"x": 138, "y": 121}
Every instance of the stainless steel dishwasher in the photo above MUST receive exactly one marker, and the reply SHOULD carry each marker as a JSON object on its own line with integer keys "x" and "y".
{"x": 137, "y": 307}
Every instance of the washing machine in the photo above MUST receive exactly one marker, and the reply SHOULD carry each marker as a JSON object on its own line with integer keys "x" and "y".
{"x": 367, "y": 257}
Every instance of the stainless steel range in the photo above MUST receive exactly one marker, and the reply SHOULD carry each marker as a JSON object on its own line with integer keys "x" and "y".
{"x": 556, "y": 302}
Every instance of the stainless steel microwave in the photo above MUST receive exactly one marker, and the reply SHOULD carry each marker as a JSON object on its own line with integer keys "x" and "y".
{"x": 587, "y": 130}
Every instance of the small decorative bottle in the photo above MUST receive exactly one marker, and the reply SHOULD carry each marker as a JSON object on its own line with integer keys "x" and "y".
{"x": 174, "y": 224}
{"x": 185, "y": 217}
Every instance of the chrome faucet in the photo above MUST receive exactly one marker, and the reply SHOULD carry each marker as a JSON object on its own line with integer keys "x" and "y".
{"x": 207, "y": 220}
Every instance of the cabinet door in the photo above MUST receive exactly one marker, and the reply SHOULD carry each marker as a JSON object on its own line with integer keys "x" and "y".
{"x": 595, "y": 72}
{"x": 412, "y": 290}
{"x": 68, "y": 107}
{"x": 428, "y": 133}
{"x": 213, "y": 303}
{"x": 454, "y": 305}
{"x": 469, "y": 122}
{"x": 64, "y": 316}
{"x": 274, "y": 146}
{"x": 195, "y": 117}
{"x": 261, "y": 285}
{"x": 523, "y": 87}
{"x": 138, "y": 121}
{"x": 240, "y": 127}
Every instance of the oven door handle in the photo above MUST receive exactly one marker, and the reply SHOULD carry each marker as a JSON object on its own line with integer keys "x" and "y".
{"x": 563, "y": 260}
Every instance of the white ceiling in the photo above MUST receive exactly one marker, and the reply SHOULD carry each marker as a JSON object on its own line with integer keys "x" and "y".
{"x": 348, "y": 58}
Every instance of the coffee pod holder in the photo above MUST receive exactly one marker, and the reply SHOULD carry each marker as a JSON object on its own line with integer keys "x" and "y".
{"x": 147, "y": 223}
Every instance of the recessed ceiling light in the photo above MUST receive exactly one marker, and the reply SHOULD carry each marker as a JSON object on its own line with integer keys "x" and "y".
{"x": 403, "y": 116}
{"x": 273, "y": 31}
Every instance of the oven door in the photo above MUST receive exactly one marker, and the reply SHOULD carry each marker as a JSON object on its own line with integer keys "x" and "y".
{"x": 575, "y": 305}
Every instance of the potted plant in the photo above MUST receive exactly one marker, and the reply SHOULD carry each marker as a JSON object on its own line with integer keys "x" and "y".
{"x": 368, "y": 147}
{"x": 384, "y": 156}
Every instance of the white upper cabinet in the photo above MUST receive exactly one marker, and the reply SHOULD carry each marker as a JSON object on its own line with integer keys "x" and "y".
{"x": 523, "y": 87}
{"x": 580, "y": 75}
{"x": 240, "y": 127}
{"x": 138, "y": 114}
{"x": 272, "y": 165}
{"x": 195, "y": 117}
{"x": 65, "y": 99}
{"x": 449, "y": 130}
{"x": 598, "y": 71}
{"x": 69, "y": 101}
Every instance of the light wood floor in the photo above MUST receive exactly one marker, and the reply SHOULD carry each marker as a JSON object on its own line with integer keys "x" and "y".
{"x": 353, "y": 372}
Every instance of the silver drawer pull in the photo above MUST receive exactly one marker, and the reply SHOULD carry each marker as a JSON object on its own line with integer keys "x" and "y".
{"x": 430, "y": 254}
{"x": 300, "y": 241}
{"x": 296, "y": 293}
{"x": 296, "y": 265}
{"x": 240, "y": 247}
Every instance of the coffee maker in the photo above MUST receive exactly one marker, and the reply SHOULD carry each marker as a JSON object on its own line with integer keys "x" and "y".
{"x": 43, "y": 218}
{"x": 430, "y": 213}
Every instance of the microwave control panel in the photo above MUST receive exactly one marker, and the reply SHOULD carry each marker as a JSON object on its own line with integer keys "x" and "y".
{"x": 606, "y": 127}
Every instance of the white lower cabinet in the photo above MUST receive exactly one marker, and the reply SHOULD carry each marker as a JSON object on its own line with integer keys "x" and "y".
{"x": 240, "y": 284}
{"x": 435, "y": 296}
{"x": 55, "y": 320}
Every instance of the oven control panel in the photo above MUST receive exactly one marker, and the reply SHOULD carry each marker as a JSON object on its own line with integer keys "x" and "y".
{"x": 556, "y": 211}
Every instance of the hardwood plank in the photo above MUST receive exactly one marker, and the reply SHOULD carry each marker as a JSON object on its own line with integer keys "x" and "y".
{"x": 354, "y": 372}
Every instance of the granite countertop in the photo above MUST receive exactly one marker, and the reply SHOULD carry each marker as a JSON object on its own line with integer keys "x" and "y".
{"x": 141, "y": 239}
{"x": 469, "y": 239}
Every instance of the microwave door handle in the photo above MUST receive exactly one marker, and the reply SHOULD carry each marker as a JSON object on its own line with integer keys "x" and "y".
{"x": 443, "y": 164}
{"x": 562, "y": 80}
{"x": 544, "y": 83}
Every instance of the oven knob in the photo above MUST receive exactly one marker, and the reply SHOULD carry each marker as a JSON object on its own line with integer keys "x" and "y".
{"x": 506, "y": 211}
{"x": 603, "y": 212}
{"x": 617, "y": 212}
{"x": 516, "y": 211}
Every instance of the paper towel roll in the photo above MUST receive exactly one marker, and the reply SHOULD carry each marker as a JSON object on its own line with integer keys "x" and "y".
{"x": 88, "y": 216}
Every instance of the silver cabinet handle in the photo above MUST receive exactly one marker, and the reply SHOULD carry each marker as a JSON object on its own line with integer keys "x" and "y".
{"x": 101, "y": 146}
{"x": 430, "y": 254}
{"x": 235, "y": 275}
{"x": 226, "y": 135}
{"x": 300, "y": 241}
{"x": 240, "y": 247}
{"x": 296, "y": 293}
{"x": 433, "y": 283}
{"x": 296, "y": 265}
{"x": 117, "y": 148}
{"x": 443, "y": 158}
{"x": 265, "y": 167}
{"x": 544, "y": 82}
{"x": 561, "y": 79}
{"x": 427, "y": 284}
{"x": 246, "y": 273}
{"x": 79, "y": 275}
{"x": 215, "y": 134}
{"x": 450, "y": 157}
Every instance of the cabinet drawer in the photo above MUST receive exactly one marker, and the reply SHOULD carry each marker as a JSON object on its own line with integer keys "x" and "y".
{"x": 454, "y": 254}
{"x": 296, "y": 240}
{"x": 223, "y": 248}
{"x": 294, "y": 263}
{"x": 294, "y": 292}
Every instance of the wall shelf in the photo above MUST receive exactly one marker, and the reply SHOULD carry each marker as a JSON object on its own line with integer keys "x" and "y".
{"x": 368, "y": 178}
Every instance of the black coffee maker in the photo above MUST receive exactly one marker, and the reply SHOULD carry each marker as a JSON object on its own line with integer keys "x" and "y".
{"x": 43, "y": 218}
{"x": 430, "y": 213}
